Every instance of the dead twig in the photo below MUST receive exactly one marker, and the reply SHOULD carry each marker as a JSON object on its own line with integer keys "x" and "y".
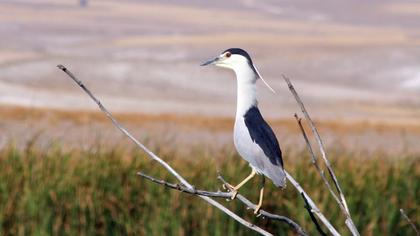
{"x": 311, "y": 214}
{"x": 342, "y": 200}
{"x": 315, "y": 163}
{"x": 159, "y": 160}
{"x": 410, "y": 222}
{"x": 226, "y": 195}
{"x": 314, "y": 208}
{"x": 181, "y": 188}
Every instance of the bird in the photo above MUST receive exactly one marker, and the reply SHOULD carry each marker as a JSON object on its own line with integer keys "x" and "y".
{"x": 253, "y": 138}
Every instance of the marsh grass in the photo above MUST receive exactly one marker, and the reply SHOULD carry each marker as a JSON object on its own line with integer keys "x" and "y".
{"x": 56, "y": 192}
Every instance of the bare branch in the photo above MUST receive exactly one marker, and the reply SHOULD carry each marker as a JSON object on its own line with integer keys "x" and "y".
{"x": 266, "y": 214}
{"x": 343, "y": 206}
{"x": 158, "y": 159}
{"x": 313, "y": 208}
{"x": 181, "y": 188}
{"x": 410, "y": 222}
{"x": 311, "y": 203}
{"x": 318, "y": 168}
{"x": 311, "y": 214}
{"x": 226, "y": 195}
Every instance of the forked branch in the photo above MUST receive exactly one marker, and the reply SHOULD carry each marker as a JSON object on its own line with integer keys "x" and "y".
{"x": 226, "y": 195}
{"x": 158, "y": 159}
{"x": 314, "y": 208}
{"x": 342, "y": 200}
{"x": 153, "y": 156}
{"x": 186, "y": 187}
{"x": 318, "y": 168}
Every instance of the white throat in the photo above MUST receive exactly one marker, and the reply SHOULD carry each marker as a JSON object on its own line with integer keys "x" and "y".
{"x": 246, "y": 90}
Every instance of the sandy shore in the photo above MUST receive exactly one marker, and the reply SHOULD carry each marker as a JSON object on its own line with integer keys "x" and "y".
{"x": 86, "y": 129}
{"x": 144, "y": 57}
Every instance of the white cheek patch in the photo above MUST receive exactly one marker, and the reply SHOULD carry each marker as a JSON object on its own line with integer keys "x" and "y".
{"x": 238, "y": 58}
{"x": 235, "y": 60}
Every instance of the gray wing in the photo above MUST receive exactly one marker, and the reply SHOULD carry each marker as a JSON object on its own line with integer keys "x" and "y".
{"x": 262, "y": 134}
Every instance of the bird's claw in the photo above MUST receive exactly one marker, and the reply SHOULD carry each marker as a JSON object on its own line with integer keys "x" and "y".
{"x": 231, "y": 189}
{"x": 234, "y": 193}
{"x": 228, "y": 186}
{"x": 257, "y": 210}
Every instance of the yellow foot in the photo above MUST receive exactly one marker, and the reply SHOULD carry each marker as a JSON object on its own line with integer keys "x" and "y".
{"x": 257, "y": 209}
{"x": 232, "y": 190}
{"x": 234, "y": 193}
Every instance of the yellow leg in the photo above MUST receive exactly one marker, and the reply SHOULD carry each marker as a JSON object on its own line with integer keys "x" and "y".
{"x": 235, "y": 189}
{"x": 258, "y": 207}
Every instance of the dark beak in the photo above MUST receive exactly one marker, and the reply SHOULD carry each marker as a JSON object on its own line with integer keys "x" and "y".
{"x": 210, "y": 62}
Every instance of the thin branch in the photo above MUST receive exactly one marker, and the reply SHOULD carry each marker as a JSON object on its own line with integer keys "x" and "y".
{"x": 226, "y": 195}
{"x": 308, "y": 201}
{"x": 252, "y": 206}
{"x": 181, "y": 188}
{"x": 311, "y": 203}
{"x": 311, "y": 214}
{"x": 410, "y": 222}
{"x": 158, "y": 159}
{"x": 349, "y": 222}
{"x": 318, "y": 168}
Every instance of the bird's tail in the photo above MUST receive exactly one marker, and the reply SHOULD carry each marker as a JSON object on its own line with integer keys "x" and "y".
{"x": 278, "y": 176}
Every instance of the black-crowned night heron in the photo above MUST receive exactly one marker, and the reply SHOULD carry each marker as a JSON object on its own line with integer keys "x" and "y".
{"x": 254, "y": 140}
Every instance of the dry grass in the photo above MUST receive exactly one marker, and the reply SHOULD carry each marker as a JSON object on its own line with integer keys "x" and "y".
{"x": 49, "y": 192}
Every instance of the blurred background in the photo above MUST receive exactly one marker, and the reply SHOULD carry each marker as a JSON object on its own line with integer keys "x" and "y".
{"x": 356, "y": 65}
{"x": 352, "y": 63}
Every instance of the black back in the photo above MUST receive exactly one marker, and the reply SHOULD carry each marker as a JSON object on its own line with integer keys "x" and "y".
{"x": 263, "y": 135}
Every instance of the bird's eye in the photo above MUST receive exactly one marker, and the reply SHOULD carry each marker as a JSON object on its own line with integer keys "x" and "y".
{"x": 228, "y": 54}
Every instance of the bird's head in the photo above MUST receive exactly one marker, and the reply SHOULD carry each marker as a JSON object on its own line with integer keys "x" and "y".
{"x": 232, "y": 58}
{"x": 239, "y": 61}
